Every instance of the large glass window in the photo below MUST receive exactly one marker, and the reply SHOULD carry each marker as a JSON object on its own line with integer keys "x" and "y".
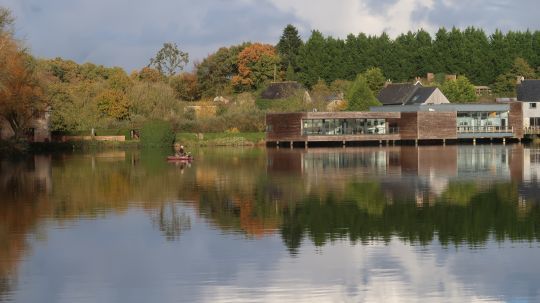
{"x": 482, "y": 121}
{"x": 334, "y": 127}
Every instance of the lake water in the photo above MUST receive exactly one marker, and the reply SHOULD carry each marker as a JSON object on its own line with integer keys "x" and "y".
{"x": 434, "y": 223}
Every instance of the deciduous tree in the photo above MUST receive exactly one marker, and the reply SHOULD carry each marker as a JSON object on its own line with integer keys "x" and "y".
{"x": 460, "y": 90}
{"x": 505, "y": 84}
{"x": 21, "y": 94}
{"x": 169, "y": 59}
{"x": 359, "y": 96}
{"x": 215, "y": 72}
{"x": 148, "y": 74}
{"x": 375, "y": 79}
{"x": 257, "y": 64}
{"x": 186, "y": 86}
{"x": 6, "y": 20}
{"x": 113, "y": 103}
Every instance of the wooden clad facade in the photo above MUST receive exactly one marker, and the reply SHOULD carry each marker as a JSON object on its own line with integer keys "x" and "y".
{"x": 287, "y": 127}
{"x": 284, "y": 126}
{"x": 515, "y": 118}
{"x": 436, "y": 125}
{"x": 433, "y": 123}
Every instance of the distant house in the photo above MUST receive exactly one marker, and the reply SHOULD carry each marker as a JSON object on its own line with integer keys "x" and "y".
{"x": 281, "y": 90}
{"x": 528, "y": 92}
{"x": 410, "y": 94}
{"x": 37, "y": 131}
{"x": 482, "y": 90}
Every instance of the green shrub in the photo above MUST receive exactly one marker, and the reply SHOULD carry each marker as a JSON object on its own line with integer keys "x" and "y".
{"x": 157, "y": 133}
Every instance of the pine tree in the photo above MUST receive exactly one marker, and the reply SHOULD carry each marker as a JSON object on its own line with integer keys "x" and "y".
{"x": 288, "y": 47}
{"x": 312, "y": 59}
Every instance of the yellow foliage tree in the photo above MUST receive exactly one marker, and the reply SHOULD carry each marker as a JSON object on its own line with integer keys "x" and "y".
{"x": 114, "y": 103}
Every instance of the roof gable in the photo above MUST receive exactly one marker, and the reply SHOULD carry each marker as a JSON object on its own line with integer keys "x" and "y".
{"x": 397, "y": 93}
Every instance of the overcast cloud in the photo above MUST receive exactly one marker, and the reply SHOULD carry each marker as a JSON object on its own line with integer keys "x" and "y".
{"x": 127, "y": 33}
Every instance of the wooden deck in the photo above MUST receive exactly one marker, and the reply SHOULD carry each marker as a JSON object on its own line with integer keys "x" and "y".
{"x": 407, "y": 126}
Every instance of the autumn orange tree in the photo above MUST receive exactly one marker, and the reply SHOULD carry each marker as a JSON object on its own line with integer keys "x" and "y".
{"x": 256, "y": 65}
{"x": 148, "y": 74}
{"x": 21, "y": 95}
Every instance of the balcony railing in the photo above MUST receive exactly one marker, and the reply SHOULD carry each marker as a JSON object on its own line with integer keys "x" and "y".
{"x": 532, "y": 130}
{"x": 352, "y": 131}
{"x": 484, "y": 129}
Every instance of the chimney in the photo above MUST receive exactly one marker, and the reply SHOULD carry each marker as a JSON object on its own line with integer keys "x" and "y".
{"x": 519, "y": 79}
{"x": 388, "y": 82}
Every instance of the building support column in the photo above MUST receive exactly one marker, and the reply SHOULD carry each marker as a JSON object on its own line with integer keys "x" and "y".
{"x": 292, "y": 144}
{"x": 504, "y": 141}
{"x": 415, "y": 142}
{"x": 277, "y": 144}
{"x": 344, "y": 143}
{"x": 474, "y": 141}
{"x": 444, "y": 142}
{"x": 306, "y": 144}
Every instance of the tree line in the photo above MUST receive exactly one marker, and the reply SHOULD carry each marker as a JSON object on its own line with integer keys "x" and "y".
{"x": 84, "y": 96}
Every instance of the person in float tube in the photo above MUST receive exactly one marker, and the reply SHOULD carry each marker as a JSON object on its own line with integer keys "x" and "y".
{"x": 178, "y": 150}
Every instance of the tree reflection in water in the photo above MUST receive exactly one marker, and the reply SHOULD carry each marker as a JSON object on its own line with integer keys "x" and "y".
{"x": 457, "y": 195}
{"x": 171, "y": 221}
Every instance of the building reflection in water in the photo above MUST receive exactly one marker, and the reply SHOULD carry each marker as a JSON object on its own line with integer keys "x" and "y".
{"x": 411, "y": 171}
{"x": 458, "y": 194}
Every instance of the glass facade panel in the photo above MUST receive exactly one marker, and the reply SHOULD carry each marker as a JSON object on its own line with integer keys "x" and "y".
{"x": 482, "y": 121}
{"x": 333, "y": 127}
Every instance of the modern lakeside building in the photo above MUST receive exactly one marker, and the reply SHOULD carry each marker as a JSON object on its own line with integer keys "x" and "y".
{"x": 391, "y": 123}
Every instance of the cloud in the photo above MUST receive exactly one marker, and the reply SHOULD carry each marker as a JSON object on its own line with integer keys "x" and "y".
{"x": 128, "y": 32}
{"x": 122, "y": 257}
{"x": 354, "y": 16}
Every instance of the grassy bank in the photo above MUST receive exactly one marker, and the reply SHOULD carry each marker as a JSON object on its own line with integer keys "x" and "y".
{"x": 189, "y": 139}
{"x": 90, "y": 145}
{"x": 221, "y": 139}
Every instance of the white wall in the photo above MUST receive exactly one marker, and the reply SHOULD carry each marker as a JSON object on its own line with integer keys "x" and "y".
{"x": 437, "y": 97}
{"x": 530, "y": 112}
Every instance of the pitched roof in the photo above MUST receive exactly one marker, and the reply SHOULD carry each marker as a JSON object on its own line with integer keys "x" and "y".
{"x": 420, "y": 95}
{"x": 528, "y": 90}
{"x": 398, "y": 93}
{"x": 280, "y": 90}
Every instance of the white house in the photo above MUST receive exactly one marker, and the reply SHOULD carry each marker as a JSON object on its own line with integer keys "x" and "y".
{"x": 409, "y": 94}
{"x": 528, "y": 92}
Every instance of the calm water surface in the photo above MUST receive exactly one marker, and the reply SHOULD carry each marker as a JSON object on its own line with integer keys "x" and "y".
{"x": 452, "y": 224}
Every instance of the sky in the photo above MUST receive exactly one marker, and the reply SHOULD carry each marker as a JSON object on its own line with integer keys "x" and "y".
{"x": 127, "y": 33}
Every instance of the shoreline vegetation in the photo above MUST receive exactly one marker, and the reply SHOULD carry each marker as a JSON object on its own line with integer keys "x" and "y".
{"x": 224, "y": 99}
{"x": 190, "y": 140}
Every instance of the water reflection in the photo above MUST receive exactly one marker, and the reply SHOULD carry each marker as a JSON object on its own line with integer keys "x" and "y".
{"x": 452, "y": 196}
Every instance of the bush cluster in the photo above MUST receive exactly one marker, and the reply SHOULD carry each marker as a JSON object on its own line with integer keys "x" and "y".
{"x": 157, "y": 133}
